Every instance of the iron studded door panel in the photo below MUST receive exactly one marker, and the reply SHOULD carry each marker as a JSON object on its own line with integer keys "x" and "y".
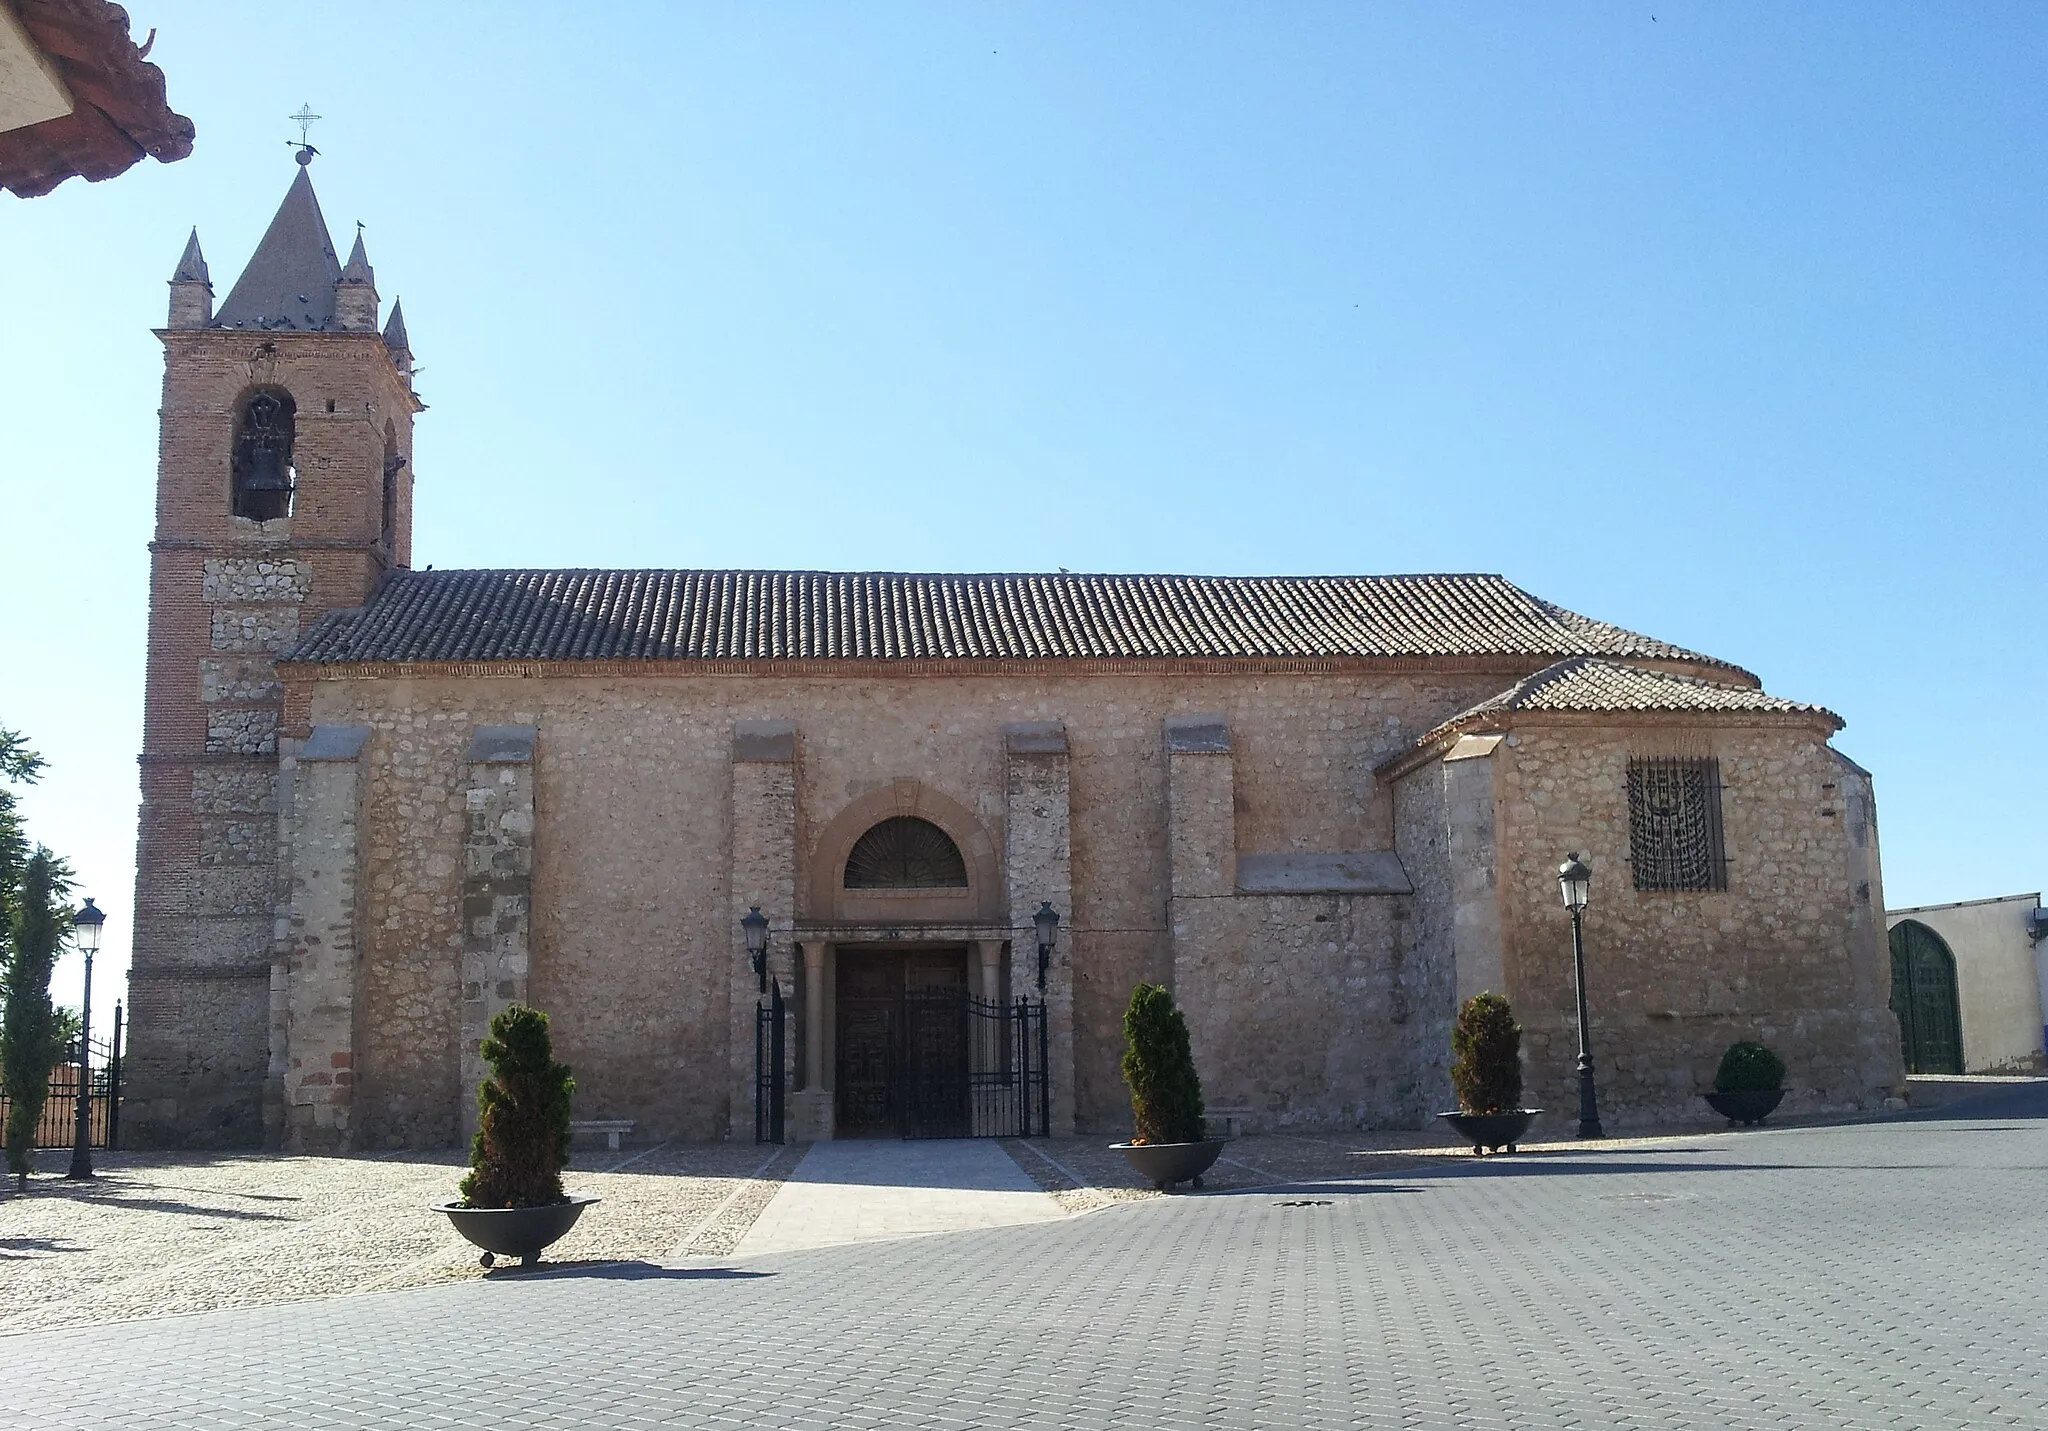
{"x": 870, "y": 996}
{"x": 935, "y": 1069}
{"x": 1924, "y": 997}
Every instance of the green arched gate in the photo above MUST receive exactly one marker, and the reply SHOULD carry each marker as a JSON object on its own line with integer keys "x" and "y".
{"x": 1924, "y": 998}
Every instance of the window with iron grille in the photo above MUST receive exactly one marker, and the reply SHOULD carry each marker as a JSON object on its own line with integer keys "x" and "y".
{"x": 1674, "y": 823}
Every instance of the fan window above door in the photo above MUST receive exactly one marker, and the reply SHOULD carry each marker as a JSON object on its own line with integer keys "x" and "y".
{"x": 906, "y": 853}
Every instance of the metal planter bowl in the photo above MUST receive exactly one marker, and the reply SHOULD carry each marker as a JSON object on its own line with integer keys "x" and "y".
{"x": 520, "y": 1232}
{"x": 1747, "y": 1106}
{"x": 1498, "y": 1132}
{"x": 1164, "y": 1164}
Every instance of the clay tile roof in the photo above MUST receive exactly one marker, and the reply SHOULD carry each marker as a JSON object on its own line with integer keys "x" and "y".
{"x": 120, "y": 111}
{"x": 1587, "y": 685}
{"x": 814, "y": 615}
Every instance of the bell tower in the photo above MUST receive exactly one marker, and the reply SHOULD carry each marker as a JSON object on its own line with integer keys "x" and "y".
{"x": 284, "y": 490}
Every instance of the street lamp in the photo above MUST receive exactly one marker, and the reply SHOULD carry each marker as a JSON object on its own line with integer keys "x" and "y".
{"x": 1575, "y": 883}
{"x": 755, "y": 925}
{"x": 85, "y": 929}
{"x": 1047, "y": 921}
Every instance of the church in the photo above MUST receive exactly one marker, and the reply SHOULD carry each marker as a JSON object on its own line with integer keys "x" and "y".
{"x": 889, "y": 851}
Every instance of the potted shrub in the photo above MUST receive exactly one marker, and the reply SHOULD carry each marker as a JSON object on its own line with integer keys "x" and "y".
{"x": 1167, "y": 1144}
{"x": 512, "y": 1201}
{"x": 1486, "y": 1073}
{"x": 1749, "y": 1084}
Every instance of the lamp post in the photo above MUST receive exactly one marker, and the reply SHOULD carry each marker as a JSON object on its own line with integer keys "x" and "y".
{"x": 85, "y": 928}
{"x": 755, "y": 925}
{"x": 1047, "y": 922}
{"x": 1575, "y": 883}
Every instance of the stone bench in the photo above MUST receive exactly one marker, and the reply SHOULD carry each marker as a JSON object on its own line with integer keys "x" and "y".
{"x": 1232, "y": 1119}
{"x": 613, "y": 1129}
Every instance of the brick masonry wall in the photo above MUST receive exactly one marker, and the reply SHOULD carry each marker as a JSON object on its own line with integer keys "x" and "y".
{"x": 226, "y": 595}
{"x": 633, "y": 953}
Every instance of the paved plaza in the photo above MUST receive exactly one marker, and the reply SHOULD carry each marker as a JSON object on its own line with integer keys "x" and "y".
{"x": 1867, "y": 1275}
{"x": 865, "y": 1191}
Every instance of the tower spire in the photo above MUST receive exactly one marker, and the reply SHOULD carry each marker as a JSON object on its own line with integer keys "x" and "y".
{"x": 191, "y": 288}
{"x": 355, "y": 292}
{"x": 290, "y": 280}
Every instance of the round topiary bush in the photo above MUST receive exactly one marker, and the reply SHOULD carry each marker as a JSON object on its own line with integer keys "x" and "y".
{"x": 1159, "y": 1069}
{"x": 522, "y": 1140}
{"x": 1486, "y": 1062}
{"x": 1749, "y": 1067}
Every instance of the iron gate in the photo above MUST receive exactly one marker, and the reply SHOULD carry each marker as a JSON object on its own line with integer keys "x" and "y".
{"x": 971, "y": 1068}
{"x": 771, "y": 1068}
{"x": 58, "y": 1125}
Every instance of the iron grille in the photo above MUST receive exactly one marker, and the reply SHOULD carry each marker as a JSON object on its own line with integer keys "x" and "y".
{"x": 906, "y": 853}
{"x": 1674, "y": 824}
{"x": 972, "y": 1068}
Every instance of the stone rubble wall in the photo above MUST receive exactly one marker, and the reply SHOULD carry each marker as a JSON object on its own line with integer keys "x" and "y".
{"x": 1784, "y": 955}
{"x": 633, "y": 947}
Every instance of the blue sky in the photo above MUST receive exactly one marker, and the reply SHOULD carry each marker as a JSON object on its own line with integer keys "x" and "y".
{"x": 1726, "y": 325}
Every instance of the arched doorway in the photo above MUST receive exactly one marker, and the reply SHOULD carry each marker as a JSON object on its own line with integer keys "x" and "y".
{"x": 1924, "y": 998}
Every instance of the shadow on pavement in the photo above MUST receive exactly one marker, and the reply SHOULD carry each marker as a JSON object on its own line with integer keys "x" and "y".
{"x": 625, "y": 1272}
{"x": 1999, "y": 1104}
{"x": 15, "y": 1248}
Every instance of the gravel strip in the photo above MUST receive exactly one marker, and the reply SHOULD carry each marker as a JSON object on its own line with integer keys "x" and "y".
{"x": 163, "y": 1233}
{"x": 718, "y": 1233}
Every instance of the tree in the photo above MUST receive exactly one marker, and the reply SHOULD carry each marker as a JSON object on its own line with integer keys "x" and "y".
{"x": 1486, "y": 1067}
{"x": 18, "y": 766}
{"x": 34, "y": 885}
{"x": 29, "y": 1041}
{"x": 522, "y": 1140}
{"x": 1159, "y": 1069}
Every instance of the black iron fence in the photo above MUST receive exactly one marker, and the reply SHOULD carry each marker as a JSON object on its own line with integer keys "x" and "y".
{"x": 971, "y": 1068}
{"x": 56, "y": 1128}
{"x": 771, "y": 1068}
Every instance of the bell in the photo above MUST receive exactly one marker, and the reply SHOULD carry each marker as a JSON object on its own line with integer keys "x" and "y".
{"x": 266, "y": 470}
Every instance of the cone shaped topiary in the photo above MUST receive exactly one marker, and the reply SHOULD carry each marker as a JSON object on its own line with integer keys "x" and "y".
{"x": 1486, "y": 1063}
{"x": 522, "y": 1140}
{"x": 1159, "y": 1069}
{"x": 1749, "y": 1067}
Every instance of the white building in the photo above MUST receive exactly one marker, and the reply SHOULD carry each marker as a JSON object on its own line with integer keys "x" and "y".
{"x": 1969, "y": 984}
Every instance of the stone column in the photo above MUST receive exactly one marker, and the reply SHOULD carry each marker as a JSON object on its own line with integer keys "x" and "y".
{"x": 1472, "y": 852}
{"x": 1475, "y": 867}
{"x": 497, "y": 892}
{"x": 814, "y": 1016}
{"x": 988, "y": 962}
{"x": 1201, "y": 854}
{"x": 1036, "y": 832}
{"x": 763, "y": 875}
{"x": 320, "y": 975}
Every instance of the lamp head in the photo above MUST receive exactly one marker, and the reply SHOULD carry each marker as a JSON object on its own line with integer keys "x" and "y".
{"x": 85, "y": 927}
{"x": 1575, "y": 882}
{"x": 755, "y": 926}
{"x": 1047, "y": 922}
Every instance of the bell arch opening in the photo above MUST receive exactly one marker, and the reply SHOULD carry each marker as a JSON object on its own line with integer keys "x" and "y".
{"x": 905, "y": 852}
{"x": 266, "y": 425}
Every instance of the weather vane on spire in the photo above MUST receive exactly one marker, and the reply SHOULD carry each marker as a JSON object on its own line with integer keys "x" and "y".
{"x": 304, "y": 119}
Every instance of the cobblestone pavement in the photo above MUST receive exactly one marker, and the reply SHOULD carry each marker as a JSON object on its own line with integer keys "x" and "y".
{"x": 182, "y": 1232}
{"x": 1864, "y": 1276}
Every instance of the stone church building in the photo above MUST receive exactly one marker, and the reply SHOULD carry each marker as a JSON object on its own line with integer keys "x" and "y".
{"x": 380, "y": 803}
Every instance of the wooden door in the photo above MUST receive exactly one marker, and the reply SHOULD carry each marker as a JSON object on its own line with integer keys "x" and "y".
{"x": 870, "y": 988}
